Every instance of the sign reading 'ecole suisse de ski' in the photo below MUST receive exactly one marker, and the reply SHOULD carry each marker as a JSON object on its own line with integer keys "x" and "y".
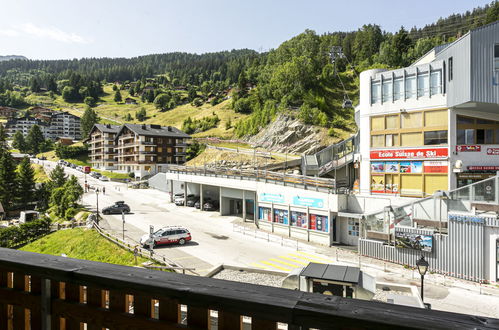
{"x": 420, "y": 153}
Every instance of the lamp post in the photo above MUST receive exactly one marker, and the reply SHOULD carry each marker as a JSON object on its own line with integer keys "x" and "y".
{"x": 422, "y": 265}
{"x": 123, "y": 218}
{"x": 97, "y": 195}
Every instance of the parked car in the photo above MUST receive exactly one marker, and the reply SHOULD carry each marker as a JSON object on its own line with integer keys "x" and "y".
{"x": 197, "y": 204}
{"x": 191, "y": 198}
{"x": 210, "y": 205}
{"x": 103, "y": 178}
{"x": 118, "y": 208}
{"x": 95, "y": 175}
{"x": 166, "y": 235}
{"x": 192, "y": 201}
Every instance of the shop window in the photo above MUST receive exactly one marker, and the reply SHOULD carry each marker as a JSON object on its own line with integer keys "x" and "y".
{"x": 423, "y": 85}
{"x": 411, "y": 139}
{"x": 411, "y": 185}
{"x": 265, "y": 213}
{"x": 281, "y": 216}
{"x": 465, "y": 136}
{"x": 496, "y": 57}
{"x": 392, "y": 183}
{"x": 319, "y": 222}
{"x": 412, "y": 120}
{"x": 377, "y": 141}
{"x": 398, "y": 89}
{"x": 435, "y": 118}
{"x": 433, "y": 183}
{"x": 299, "y": 219}
{"x": 484, "y": 136}
{"x": 391, "y": 140}
{"x": 392, "y": 122}
{"x": 410, "y": 87}
{"x": 375, "y": 92}
{"x": 435, "y": 83}
{"x": 378, "y": 183}
{"x": 353, "y": 227}
{"x": 377, "y": 123}
{"x": 387, "y": 91}
{"x": 435, "y": 137}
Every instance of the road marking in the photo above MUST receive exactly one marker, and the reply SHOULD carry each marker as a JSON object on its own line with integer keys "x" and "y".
{"x": 294, "y": 260}
{"x": 315, "y": 256}
{"x": 306, "y": 258}
{"x": 256, "y": 264}
{"x": 285, "y": 263}
{"x": 275, "y": 266}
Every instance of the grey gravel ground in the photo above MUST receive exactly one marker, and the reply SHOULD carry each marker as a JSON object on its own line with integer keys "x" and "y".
{"x": 382, "y": 295}
{"x": 253, "y": 278}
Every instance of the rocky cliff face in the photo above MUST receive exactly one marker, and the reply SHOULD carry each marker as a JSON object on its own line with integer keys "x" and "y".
{"x": 290, "y": 135}
{"x": 12, "y": 57}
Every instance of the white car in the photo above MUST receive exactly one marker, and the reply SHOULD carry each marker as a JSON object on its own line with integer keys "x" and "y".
{"x": 166, "y": 235}
{"x": 104, "y": 178}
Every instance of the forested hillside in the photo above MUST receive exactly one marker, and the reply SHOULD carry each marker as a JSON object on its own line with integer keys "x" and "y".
{"x": 297, "y": 77}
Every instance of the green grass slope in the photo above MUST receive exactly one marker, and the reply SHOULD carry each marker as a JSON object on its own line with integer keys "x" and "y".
{"x": 84, "y": 244}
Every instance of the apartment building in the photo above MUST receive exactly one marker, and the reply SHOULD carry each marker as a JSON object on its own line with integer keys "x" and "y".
{"x": 435, "y": 124}
{"x": 148, "y": 149}
{"x": 24, "y": 124}
{"x": 64, "y": 124}
{"x": 103, "y": 146}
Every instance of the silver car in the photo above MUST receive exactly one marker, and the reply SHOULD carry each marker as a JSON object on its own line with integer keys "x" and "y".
{"x": 166, "y": 235}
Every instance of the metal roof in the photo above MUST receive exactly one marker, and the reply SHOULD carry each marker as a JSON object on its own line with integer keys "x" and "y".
{"x": 332, "y": 273}
{"x": 106, "y": 128}
{"x": 155, "y": 130}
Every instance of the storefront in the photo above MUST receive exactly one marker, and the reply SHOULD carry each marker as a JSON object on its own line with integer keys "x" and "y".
{"x": 474, "y": 174}
{"x": 409, "y": 172}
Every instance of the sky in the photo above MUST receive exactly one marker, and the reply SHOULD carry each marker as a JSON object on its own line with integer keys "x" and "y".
{"x": 65, "y": 29}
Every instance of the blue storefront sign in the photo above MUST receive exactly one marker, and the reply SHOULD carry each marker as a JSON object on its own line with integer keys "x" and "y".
{"x": 308, "y": 201}
{"x": 467, "y": 218}
{"x": 272, "y": 198}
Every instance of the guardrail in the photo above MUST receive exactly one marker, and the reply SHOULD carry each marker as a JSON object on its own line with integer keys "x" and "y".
{"x": 302, "y": 181}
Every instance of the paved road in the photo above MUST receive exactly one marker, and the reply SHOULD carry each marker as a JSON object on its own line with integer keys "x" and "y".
{"x": 215, "y": 242}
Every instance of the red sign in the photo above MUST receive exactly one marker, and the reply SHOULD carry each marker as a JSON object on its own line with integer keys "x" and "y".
{"x": 493, "y": 151}
{"x": 468, "y": 148}
{"x": 483, "y": 168}
{"x": 435, "y": 167}
{"x": 420, "y": 153}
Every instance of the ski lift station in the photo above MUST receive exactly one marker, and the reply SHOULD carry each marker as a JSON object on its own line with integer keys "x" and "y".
{"x": 419, "y": 178}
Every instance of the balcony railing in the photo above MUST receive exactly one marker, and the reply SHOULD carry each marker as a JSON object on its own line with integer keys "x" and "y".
{"x": 40, "y": 291}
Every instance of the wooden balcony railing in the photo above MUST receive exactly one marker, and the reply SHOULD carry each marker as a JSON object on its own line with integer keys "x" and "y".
{"x": 40, "y": 291}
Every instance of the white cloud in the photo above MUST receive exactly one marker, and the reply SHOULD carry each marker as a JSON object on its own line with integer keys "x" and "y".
{"x": 52, "y": 33}
{"x": 9, "y": 33}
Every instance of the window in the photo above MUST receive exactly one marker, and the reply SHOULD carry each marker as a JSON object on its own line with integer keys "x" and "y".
{"x": 387, "y": 91}
{"x": 423, "y": 84}
{"x": 465, "y": 136}
{"x": 281, "y": 216}
{"x": 435, "y": 118}
{"x": 377, "y": 141}
{"x": 451, "y": 68}
{"x": 391, "y": 140}
{"x": 497, "y": 136}
{"x": 496, "y": 57}
{"x": 398, "y": 89}
{"x": 411, "y": 184}
{"x": 411, "y": 139}
{"x": 465, "y": 120}
{"x": 435, "y": 137}
{"x": 319, "y": 222}
{"x": 484, "y": 136}
{"x": 299, "y": 219}
{"x": 377, "y": 123}
{"x": 412, "y": 120}
{"x": 375, "y": 92}
{"x": 392, "y": 122}
{"x": 433, "y": 183}
{"x": 410, "y": 87}
{"x": 435, "y": 83}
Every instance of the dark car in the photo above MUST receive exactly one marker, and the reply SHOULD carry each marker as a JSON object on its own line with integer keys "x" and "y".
{"x": 117, "y": 208}
{"x": 192, "y": 200}
{"x": 210, "y": 205}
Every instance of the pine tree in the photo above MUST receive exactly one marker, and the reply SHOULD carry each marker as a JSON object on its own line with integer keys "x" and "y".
{"x": 117, "y": 96}
{"x": 8, "y": 181}
{"x": 57, "y": 177}
{"x": 19, "y": 142}
{"x": 35, "y": 85}
{"x": 88, "y": 120}
{"x": 25, "y": 183}
{"x": 3, "y": 139}
{"x": 34, "y": 139}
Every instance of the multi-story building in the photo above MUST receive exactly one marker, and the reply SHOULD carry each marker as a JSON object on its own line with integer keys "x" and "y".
{"x": 102, "y": 146}
{"x": 64, "y": 124}
{"x": 435, "y": 124}
{"x": 7, "y": 112}
{"x": 147, "y": 149}
{"x": 24, "y": 124}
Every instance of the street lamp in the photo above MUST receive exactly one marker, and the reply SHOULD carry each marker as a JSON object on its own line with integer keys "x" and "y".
{"x": 422, "y": 265}
{"x": 97, "y": 195}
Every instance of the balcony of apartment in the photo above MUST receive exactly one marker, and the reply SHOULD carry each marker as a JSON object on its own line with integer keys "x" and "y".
{"x": 41, "y": 291}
